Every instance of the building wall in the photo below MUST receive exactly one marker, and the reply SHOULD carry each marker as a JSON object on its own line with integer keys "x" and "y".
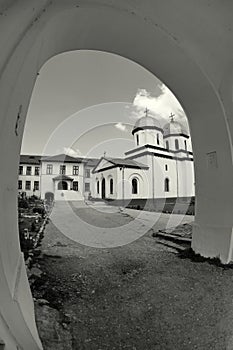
{"x": 32, "y": 178}
{"x": 47, "y": 182}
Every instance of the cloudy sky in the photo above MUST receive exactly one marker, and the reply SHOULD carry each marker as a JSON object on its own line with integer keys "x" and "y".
{"x": 86, "y": 102}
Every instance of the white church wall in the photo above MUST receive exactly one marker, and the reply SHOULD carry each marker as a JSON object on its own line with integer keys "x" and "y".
{"x": 142, "y": 177}
{"x": 107, "y": 175}
{"x": 186, "y": 179}
{"x": 160, "y": 174}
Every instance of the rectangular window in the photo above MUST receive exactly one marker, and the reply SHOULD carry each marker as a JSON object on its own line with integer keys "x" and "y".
{"x": 62, "y": 169}
{"x": 37, "y": 170}
{"x": 29, "y": 170}
{"x": 20, "y": 170}
{"x": 36, "y": 186}
{"x": 75, "y": 169}
{"x": 166, "y": 167}
{"x": 157, "y": 139}
{"x": 49, "y": 169}
{"x": 28, "y": 186}
{"x": 87, "y": 187}
{"x": 87, "y": 173}
{"x": 20, "y": 185}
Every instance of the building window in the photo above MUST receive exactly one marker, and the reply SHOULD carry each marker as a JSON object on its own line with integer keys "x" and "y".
{"x": 75, "y": 170}
{"x": 134, "y": 186}
{"x": 185, "y": 145}
{"x": 176, "y": 144}
{"x": 29, "y": 170}
{"x": 37, "y": 171}
{"x": 20, "y": 170}
{"x": 20, "y": 185}
{"x": 98, "y": 187}
{"x": 62, "y": 185}
{"x": 166, "y": 185}
{"x": 62, "y": 169}
{"x": 28, "y": 186}
{"x": 87, "y": 173}
{"x": 166, "y": 167}
{"x": 36, "y": 186}
{"x": 111, "y": 186}
{"x": 137, "y": 139}
{"x": 157, "y": 139}
{"x": 49, "y": 169}
{"x": 75, "y": 185}
{"x": 87, "y": 187}
{"x": 167, "y": 145}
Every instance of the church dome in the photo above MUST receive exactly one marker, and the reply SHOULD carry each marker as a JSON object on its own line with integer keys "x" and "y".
{"x": 147, "y": 122}
{"x": 174, "y": 127}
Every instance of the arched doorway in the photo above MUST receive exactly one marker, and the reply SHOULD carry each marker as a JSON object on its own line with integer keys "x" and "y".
{"x": 182, "y": 54}
{"x": 103, "y": 192}
{"x": 62, "y": 185}
{"x": 49, "y": 196}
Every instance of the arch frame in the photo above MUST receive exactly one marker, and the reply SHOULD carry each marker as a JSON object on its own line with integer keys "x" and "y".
{"x": 37, "y": 36}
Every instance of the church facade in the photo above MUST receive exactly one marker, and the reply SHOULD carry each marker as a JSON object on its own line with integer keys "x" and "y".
{"x": 159, "y": 167}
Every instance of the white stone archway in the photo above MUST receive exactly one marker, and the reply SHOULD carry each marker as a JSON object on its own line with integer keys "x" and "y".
{"x": 188, "y": 46}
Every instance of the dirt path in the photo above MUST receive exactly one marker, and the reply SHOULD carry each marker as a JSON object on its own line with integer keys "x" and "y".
{"x": 139, "y": 296}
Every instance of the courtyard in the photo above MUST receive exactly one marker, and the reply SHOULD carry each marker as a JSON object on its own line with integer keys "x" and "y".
{"x": 140, "y": 295}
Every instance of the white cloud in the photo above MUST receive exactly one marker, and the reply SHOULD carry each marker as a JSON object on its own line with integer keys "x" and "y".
{"x": 121, "y": 126}
{"x": 161, "y": 106}
{"x": 72, "y": 152}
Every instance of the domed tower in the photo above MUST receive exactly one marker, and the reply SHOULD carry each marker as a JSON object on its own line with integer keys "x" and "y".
{"x": 148, "y": 130}
{"x": 176, "y": 137}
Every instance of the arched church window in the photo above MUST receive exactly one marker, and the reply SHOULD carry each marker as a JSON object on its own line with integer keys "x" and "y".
{"x": 167, "y": 145}
{"x": 166, "y": 185}
{"x": 137, "y": 139}
{"x": 176, "y": 144}
{"x": 111, "y": 186}
{"x": 157, "y": 139}
{"x": 98, "y": 187}
{"x": 134, "y": 186}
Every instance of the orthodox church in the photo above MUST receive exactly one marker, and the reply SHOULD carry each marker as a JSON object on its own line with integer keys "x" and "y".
{"x": 159, "y": 167}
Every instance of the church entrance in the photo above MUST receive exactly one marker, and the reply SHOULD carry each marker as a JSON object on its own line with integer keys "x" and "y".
{"x": 103, "y": 188}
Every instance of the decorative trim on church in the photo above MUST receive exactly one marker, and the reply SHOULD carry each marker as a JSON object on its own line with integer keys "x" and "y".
{"x": 147, "y": 127}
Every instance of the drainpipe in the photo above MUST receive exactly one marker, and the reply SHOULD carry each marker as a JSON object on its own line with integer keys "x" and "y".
{"x": 177, "y": 178}
{"x": 123, "y": 185}
{"x": 153, "y": 179}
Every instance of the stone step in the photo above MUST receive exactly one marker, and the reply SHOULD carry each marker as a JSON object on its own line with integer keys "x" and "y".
{"x": 171, "y": 244}
{"x": 173, "y": 237}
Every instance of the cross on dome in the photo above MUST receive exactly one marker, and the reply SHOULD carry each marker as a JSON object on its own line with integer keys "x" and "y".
{"x": 146, "y": 112}
{"x": 171, "y": 116}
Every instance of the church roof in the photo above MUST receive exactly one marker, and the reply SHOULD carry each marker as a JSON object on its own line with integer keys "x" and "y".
{"x": 64, "y": 158}
{"x": 127, "y": 163}
{"x": 173, "y": 128}
{"x": 118, "y": 162}
{"x": 147, "y": 122}
{"x": 92, "y": 162}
